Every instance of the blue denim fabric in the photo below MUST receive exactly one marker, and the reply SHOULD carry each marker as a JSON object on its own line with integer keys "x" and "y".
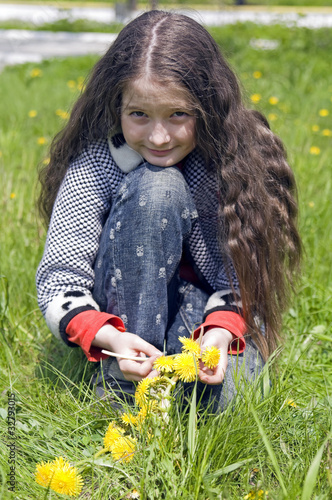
{"x": 136, "y": 271}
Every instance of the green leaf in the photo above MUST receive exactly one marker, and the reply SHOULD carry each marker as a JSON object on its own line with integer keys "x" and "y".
{"x": 227, "y": 469}
{"x": 311, "y": 477}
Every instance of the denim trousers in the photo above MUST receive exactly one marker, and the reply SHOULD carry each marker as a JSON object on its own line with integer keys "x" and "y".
{"x": 137, "y": 276}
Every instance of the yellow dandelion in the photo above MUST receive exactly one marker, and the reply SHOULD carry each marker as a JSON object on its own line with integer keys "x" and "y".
{"x": 71, "y": 84}
{"x": 112, "y": 434}
{"x": 273, "y": 100}
{"x": 80, "y": 83}
{"x": 146, "y": 410}
{"x": 326, "y": 132}
{"x": 34, "y": 73}
{"x": 255, "y": 98}
{"x": 323, "y": 112}
{"x": 311, "y": 204}
{"x": 63, "y": 114}
{"x": 211, "y": 356}
{"x": 12, "y": 196}
{"x": 314, "y": 150}
{"x": 129, "y": 419}
{"x": 191, "y": 346}
{"x": 41, "y": 140}
{"x": 185, "y": 367}
{"x": 143, "y": 390}
{"x": 65, "y": 479}
{"x": 291, "y": 402}
{"x": 32, "y": 113}
{"x": 123, "y": 449}
{"x": 134, "y": 494}
{"x": 257, "y": 74}
{"x": 44, "y": 473}
{"x": 315, "y": 128}
{"x": 272, "y": 117}
{"x": 164, "y": 364}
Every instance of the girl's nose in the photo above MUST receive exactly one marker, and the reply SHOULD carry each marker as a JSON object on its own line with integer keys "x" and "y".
{"x": 159, "y": 135}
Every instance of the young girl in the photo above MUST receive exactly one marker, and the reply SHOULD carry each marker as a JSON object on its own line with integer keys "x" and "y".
{"x": 171, "y": 209}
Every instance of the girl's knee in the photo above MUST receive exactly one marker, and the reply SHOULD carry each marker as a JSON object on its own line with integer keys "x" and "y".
{"x": 162, "y": 186}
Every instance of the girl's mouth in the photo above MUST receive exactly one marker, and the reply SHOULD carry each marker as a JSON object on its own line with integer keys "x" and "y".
{"x": 159, "y": 152}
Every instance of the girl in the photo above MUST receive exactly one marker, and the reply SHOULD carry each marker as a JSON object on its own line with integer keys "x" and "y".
{"x": 171, "y": 209}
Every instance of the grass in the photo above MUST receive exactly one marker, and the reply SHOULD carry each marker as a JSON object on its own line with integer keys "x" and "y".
{"x": 278, "y": 443}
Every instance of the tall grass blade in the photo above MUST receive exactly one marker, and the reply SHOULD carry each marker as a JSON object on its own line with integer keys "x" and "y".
{"x": 227, "y": 469}
{"x": 311, "y": 477}
{"x": 270, "y": 451}
{"x": 192, "y": 424}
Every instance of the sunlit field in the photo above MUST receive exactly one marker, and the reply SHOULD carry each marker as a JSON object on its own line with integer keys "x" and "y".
{"x": 274, "y": 442}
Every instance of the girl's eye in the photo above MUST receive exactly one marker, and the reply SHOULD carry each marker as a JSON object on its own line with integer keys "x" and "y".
{"x": 138, "y": 113}
{"x": 180, "y": 113}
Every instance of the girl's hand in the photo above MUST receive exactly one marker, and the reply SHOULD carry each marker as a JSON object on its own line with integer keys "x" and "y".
{"x": 129, "y": 344}
{"x": 221, "y": 338}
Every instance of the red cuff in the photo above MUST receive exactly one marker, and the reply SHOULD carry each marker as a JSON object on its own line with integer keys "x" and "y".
{"x": 232, "y": 322}
{"x": 83, "y": 327}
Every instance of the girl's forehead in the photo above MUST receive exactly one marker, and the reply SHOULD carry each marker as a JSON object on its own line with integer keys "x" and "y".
{"x": 149, "y": 92}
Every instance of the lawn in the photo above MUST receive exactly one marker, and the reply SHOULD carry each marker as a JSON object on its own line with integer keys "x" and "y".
{"x": 275, "y": 442}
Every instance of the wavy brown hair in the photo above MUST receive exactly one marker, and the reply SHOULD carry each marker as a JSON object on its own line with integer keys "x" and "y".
{"x": 258, "y": 208}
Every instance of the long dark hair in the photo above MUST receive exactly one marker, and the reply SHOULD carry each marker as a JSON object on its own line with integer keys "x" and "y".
{"x": 257, "y": 188}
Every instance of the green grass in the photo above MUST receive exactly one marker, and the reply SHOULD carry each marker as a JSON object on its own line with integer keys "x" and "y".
{"x": 263, "y": 443}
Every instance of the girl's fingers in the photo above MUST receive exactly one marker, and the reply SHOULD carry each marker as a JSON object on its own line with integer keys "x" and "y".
{"x": 133, "y": 370}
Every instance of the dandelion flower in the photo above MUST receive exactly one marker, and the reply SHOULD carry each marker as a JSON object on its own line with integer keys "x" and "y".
{"x": 32, "y": 113}
{"x": 185, "y": 367}
{"x": 71, "y": 84}
{"x": 112, "y": 434}
{"x": 63, "y": 114}
{"x": 129, "y": 419}
{"x": 146, "y": 410}
{"x": 311, "y": 204}
{"x": 134, "y": 494}
{"x": 272, "y": 117}
{"x": 143, "y": 390}
{"x": 314, "y": 150}
{"x": 164, "y": 364}
{"x": 273, "y": 100}
{"x": 34, "y": 73}
{"x": 80, "y": 83}
{"x": 257, "y": 74}
{"x": 123, "y": 449}
{"x": 326, "y": 132}
{"x": 255, "y": 98}
{"x": 291, "y": 402}
{"x": 191, "y": 346}
{"x": 315, "y": 128}
{"x": 12, "y": 196}
{"x": 65, "y": 479}
{"x": 41, "y": 140}
{"x": 211, "y": 356}
{"x": 323, "y": 112}
{"x": 44, "y": 473}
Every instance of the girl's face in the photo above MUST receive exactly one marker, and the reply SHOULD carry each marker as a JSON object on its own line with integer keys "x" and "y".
{"x": 158, "y": 122}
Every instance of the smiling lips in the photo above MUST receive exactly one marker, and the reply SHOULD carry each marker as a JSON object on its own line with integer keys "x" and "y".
{"x": 158, "y": 152}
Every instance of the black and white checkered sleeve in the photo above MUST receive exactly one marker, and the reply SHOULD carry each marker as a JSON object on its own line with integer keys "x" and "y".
{"x": 65, "y": 276}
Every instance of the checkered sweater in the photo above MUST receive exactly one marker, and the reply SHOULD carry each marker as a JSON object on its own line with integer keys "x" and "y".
{"x": 65, "y": 276}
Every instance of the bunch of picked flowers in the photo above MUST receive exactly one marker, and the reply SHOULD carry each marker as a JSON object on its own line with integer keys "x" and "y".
{"x": 153, "y": 399}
